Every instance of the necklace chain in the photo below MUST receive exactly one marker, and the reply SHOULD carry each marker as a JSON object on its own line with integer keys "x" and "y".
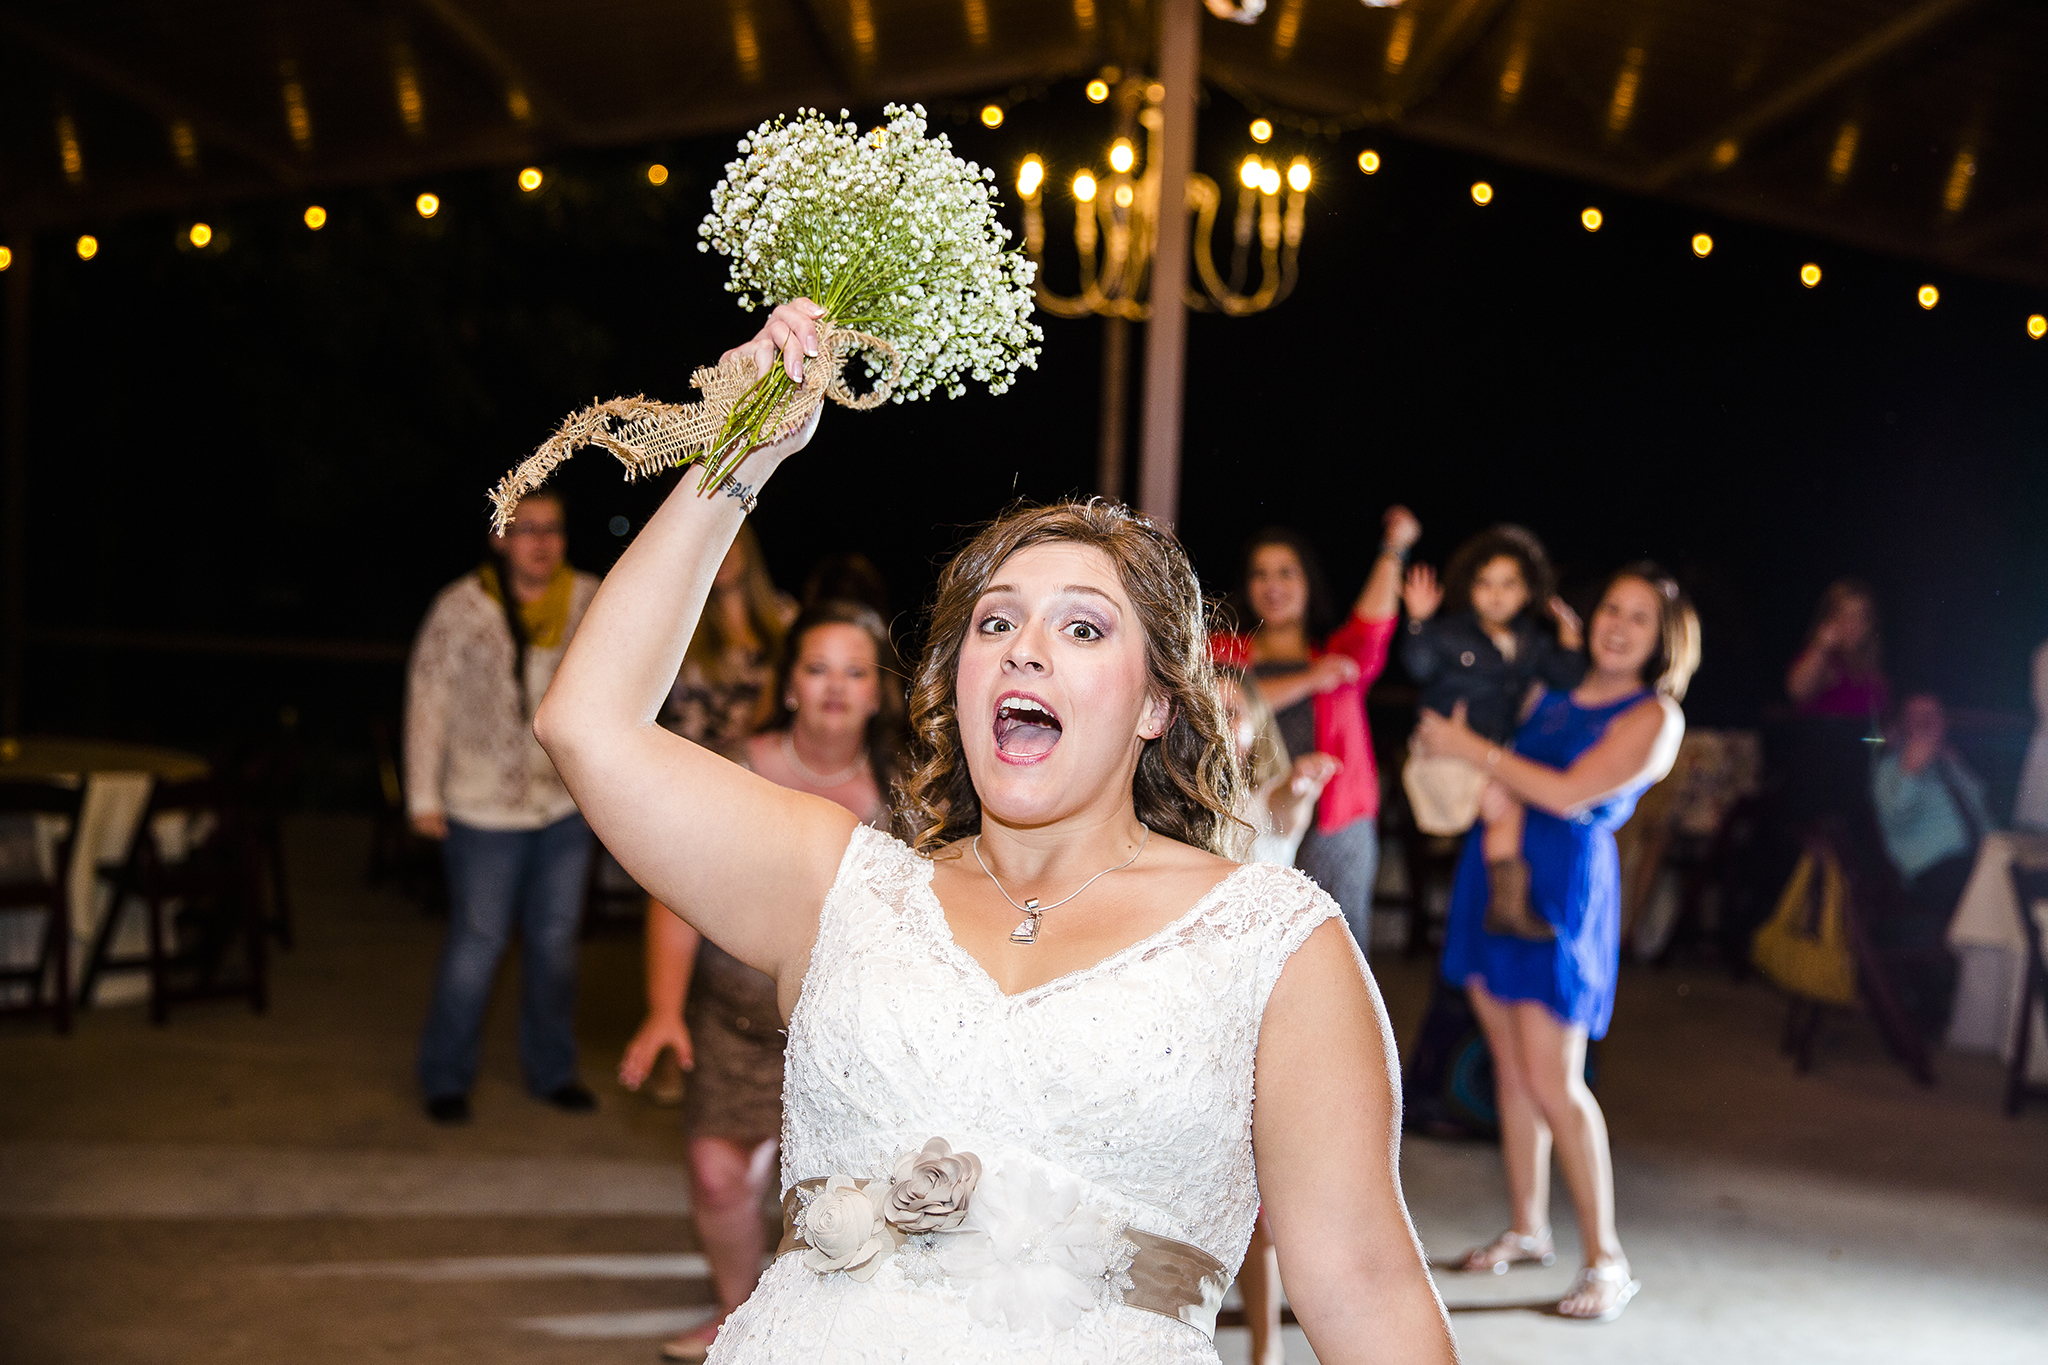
{"x": 1027, "y": 932}
{"x": 824, "y": 780}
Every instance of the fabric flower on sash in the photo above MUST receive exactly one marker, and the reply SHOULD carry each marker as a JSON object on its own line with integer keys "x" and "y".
{"x": 1030, "y": 1253}
{"x": 845, "y": 1230}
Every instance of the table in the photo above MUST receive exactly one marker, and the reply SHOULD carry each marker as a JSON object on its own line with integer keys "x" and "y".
{"x": 1991, "y": 949}
{"x": 118, "y": 778}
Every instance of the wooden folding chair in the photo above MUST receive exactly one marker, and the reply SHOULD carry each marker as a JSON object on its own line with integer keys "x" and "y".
{"x": 49, "y": 896}
{"x": 198, "y": 905}
{"x": 2030, "y": 887}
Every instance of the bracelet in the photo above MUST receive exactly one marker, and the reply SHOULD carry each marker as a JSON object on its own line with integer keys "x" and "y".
{"x": 731, "y": 486}
{"x": 1400, "y": 556}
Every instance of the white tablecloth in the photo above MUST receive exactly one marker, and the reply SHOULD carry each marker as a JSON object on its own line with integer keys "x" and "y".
{"x": 1991, "y": 948}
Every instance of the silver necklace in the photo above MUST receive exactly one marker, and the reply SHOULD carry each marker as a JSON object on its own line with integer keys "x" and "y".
{"x": 1026, "y": 931}
{"x": 838, "y": 779}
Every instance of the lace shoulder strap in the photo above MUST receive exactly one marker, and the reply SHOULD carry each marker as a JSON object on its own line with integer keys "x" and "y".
{"x": 1277, "y": 908}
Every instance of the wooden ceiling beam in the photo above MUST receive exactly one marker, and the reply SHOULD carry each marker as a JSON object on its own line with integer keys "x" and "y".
{"x": 1446, "y": 49}
{"x": 1880, "y": 45}
{"x": 140, "y": 93}
{"x": 496, "y": 59}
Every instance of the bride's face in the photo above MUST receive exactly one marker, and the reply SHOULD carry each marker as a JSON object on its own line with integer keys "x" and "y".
{"x": 1055, "y": 701}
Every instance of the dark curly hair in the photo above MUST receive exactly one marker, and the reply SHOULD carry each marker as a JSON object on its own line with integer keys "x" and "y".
{"x": 1501, "y": 542}
{"x": 1186, "y": 783}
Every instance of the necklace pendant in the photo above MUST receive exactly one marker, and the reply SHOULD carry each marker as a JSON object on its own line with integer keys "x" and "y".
{"x": 1026, "y": 932}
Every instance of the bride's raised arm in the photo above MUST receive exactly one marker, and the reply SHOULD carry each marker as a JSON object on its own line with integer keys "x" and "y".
{"x": 745, "y": 861}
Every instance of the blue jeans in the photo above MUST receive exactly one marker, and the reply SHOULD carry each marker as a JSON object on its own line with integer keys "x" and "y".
{"x": 532, "y": 878}
{"x": 1346, "y": 863}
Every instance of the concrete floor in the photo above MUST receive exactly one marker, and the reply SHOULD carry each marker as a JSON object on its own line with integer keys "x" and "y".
{"x": 237, "y": 1189}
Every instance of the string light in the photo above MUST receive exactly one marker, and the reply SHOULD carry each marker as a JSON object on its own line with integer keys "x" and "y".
{"x": 1369, "y": 161}
{"x": 88, "y": 247}
{"x": 1702, "y": 245}
{"x": 1098, "y": 91}
{"x": 1251, "y": 173}
{"x": 2037, "y": 326}
{"x": 657, "y": 174}
{"x": 1299, "y": 176}
{"x": 1030, "y": 176}
{"x": 316, "y": 217}
{"x": 1592, "y": 219}
{"x": 1809, "y": 274}
{"x": 6, "y": 257}
{"x": 529, "y": 179}
{"x": 201, "y": 234}
{"x": 991, "y": 115}
{"x": 1084, "y": 188}
{"x": 1482, "y": 193}
{"x": 1928, "y": 296}
{"x": 1262, "y": 131}
{"x": 1122, "y": 156}
{"x": 428, "y": 205}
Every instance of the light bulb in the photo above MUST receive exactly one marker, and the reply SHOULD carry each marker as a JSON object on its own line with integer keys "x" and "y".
{"x": 1298, "y": 176}
{"x": 316, "y": 217}
{"x": 991, "y": 115}
{"x": 1122, "y": 156}
{"x": 1369, "y": 161}
{"x": 1262, "y": 131}
{"x": 1592, "y": 218}
{"x": 657, "y": 174}
{"x": 1269, "y": 181}
{"x": 1084, "y": 187}
{"x": 6, "y": 257}
{"x": 1251, "y": 173}
{"x": 2037, "y": 326}
{"x": 1098, "y": 91}
{"x": 88, "y": 247}
{"x": 1030, "y": 176}
{"x": 1809, "y": 274}
{"x": 428, "y": 205}
{"x": 529, "y": 179}
{"x": 201, "y": 234}
{"x": 1482, "y": 193}
{"x": 1702, "y": 245}
{"x": 1124, "y": 196}
{"x": 1928, "y": 296}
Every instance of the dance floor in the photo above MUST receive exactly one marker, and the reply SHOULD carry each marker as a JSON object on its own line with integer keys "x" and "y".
{"x": 245, "y": 1190}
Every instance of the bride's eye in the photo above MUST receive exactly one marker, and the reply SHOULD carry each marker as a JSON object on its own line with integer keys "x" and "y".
{"x": 993, "y": 625}
{"x": 1085, "y": 630}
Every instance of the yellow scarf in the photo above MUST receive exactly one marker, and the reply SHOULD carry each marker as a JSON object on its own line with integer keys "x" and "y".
{"x": 546, "y": 618}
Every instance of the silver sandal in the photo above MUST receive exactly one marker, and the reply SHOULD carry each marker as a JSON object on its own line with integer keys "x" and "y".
{"x": 1595, "y": 1278}
{"x": 1510, "y": 1248}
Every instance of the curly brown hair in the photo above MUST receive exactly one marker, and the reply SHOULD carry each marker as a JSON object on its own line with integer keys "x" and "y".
{"x": 1186, "y": 783}
{"x": 885, "y": 727}
{"x": 1501, "y": 542}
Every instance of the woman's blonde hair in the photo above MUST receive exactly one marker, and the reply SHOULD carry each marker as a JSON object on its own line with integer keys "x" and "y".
{"x": 1185, "y": 786}
{"x": 1268, "y": 760}
{"x": 709, "y": 650}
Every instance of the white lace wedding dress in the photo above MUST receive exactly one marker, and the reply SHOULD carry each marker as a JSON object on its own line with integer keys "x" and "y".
{"x": 1117, "y": 1096}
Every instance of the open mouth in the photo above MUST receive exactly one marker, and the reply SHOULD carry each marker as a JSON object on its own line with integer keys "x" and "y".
{"x": 1025, "y": 727}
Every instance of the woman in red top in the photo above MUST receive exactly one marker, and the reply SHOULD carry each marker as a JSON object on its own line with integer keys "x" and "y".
{"x": 1317, "y": 692}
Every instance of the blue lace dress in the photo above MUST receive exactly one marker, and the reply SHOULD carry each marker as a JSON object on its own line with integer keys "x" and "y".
{"x": 1574, "y": 883}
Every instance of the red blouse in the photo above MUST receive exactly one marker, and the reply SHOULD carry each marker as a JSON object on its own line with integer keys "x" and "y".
{"x": 1341, "y": 729}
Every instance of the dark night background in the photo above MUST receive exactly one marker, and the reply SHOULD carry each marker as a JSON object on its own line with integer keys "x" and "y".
{"x": 287, "y": 436}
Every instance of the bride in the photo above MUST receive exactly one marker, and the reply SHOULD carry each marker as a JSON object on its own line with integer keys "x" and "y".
{"x": 1023, "y": 1046}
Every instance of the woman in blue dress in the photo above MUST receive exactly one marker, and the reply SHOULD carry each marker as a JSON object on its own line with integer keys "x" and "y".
{"x": 1579, "y": 763}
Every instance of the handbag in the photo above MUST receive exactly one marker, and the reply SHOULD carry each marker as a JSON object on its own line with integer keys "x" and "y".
{"x": 1804, "y": 947}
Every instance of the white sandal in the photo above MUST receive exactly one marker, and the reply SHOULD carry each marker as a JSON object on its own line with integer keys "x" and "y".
{"x": 1510, "y": 1248}
{"x": 1601, "y": 1280}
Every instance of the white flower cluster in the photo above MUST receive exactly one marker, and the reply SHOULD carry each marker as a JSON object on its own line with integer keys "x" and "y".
{"x": 890, "y": 233}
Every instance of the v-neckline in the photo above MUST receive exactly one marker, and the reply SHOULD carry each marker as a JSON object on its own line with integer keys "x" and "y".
{"x": 943, "y": 929}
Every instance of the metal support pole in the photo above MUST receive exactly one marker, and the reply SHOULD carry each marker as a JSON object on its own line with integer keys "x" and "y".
{"x": 14, "y": 489}
{"x": 1116, "y": 365}
{"x": 1180, "y": 65}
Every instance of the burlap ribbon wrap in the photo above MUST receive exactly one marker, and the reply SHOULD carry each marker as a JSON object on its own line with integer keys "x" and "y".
{"x": 648, "y": 437}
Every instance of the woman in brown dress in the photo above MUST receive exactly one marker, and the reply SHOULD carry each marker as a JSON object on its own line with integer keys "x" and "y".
{"x": 836, "y": 732}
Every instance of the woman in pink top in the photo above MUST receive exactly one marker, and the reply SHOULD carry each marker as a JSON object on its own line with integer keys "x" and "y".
{"x": 1840, "y": 672}
{"x": 1317, "y": 692}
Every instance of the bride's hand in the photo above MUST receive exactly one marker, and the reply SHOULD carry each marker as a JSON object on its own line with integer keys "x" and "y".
{"x": 792, "y": 330}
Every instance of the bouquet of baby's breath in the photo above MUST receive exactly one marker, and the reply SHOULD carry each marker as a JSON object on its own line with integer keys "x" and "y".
{"x": 893, "y": 235}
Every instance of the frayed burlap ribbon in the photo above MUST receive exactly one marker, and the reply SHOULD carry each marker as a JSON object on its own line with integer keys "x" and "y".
{"x": 648, "y": 437}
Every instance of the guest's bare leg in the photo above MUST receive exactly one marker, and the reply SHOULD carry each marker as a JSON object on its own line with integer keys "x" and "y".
{"x": 1259, "y": 1281}
{"x": 1525, "y": 1137}
{"x": 728, "y": 1183}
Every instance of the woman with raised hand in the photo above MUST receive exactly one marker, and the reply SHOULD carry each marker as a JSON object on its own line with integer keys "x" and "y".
{"x": 1578, "y": 765}
{"x": 1019, "y": 1118}
{"x": 836, "y": 732}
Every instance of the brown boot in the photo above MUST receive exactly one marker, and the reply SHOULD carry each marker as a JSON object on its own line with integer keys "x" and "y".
{"x": 1507, "y": 903}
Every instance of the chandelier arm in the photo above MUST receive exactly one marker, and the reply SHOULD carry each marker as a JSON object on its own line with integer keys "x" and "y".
{"x": 1205, "y": 199}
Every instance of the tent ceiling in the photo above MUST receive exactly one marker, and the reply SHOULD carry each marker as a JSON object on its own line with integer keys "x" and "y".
{"x": 1912, "y": 126}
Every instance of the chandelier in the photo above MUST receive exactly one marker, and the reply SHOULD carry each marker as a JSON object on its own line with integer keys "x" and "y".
{"x": 1117, "y": 219}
